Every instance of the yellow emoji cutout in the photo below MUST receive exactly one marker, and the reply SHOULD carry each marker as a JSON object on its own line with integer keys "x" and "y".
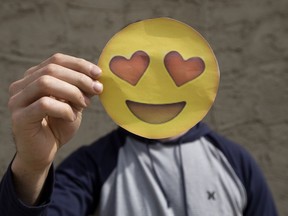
{"x": 160, "y": 78}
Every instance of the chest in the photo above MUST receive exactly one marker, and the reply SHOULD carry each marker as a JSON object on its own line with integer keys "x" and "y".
{"x": 192, "y": 179}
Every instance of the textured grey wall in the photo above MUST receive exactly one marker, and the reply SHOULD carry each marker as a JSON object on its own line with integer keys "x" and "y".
{"x": 249, "y": 38}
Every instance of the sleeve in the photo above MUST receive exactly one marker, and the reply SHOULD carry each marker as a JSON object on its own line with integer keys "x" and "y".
{"x": 11, "y": 205}
{"x": 72, "y": 190}
{"x": 77, "y": 187}
{"x": 259, "y": 197}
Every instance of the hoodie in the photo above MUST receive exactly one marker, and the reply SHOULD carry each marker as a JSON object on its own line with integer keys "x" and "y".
{"x": 198, "y": 174}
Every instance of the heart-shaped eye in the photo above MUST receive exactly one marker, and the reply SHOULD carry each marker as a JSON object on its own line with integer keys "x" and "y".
{"x": 183, "y": 71}
{"x": 130, "y": 70}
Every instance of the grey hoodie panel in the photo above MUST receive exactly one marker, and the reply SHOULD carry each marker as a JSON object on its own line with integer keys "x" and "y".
{"x": 211, "y": 185}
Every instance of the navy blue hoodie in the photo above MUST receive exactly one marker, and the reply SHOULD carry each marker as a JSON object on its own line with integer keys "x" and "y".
{"x": 198, "y": 174}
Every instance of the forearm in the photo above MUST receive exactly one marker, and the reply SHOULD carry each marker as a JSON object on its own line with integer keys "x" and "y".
{"x": 28, "y": 182}
{"x": 10, "y": 204}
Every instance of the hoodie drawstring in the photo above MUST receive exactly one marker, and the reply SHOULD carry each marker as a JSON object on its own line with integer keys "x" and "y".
{"x": 183, "y": 183}
{"x": 183, "y": 180}
{"x": 156, "y": 175}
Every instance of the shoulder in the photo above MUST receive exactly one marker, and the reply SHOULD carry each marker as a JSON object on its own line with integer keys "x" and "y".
{"x": 259, "y": 197}
{"x": 100, "y": 156}
{"x": 107, "y": 145}
{"x": 239, "y": 158}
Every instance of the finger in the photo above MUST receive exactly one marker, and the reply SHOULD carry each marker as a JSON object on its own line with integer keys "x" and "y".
{"x": 51, "y": 87}
{"x": 71, "y": 62}
{"x": 82, "y": 81}
{"x": 30, "y": 71}
{"x": 45, "y": 106}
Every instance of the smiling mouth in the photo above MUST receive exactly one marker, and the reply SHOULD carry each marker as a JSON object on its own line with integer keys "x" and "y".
{"x": 155, "y": 113}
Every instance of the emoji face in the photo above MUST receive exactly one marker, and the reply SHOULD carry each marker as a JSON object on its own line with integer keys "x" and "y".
{"x": 160, "y": 78}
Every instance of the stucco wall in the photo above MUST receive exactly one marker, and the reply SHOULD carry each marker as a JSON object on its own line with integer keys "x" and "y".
{"x": 249, "y": 38}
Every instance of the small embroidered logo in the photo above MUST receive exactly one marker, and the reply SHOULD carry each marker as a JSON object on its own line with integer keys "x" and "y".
{"x": 211, "y": 195}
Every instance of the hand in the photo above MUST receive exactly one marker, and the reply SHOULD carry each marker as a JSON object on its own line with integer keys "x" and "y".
{"x": 46, "y": 107}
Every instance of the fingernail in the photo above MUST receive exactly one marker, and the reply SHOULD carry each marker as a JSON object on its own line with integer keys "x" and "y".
{"x": 95, "y": 71}
{"x": 98, "y": 87}
{"x": 87, "y": 101}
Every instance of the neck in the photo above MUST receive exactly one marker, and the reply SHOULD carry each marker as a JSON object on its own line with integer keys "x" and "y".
{"x": 169, "y": 139}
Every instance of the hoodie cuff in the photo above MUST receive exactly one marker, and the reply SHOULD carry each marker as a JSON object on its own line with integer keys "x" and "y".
{"x": 10, "y": 204}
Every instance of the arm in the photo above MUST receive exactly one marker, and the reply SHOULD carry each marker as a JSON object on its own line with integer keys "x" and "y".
{"x": 46, "y": 108}
{"x": 259, "y": 198}
{"x": 10, "y": 203}
{"x": 76, "y": 189}
{"x": 77, "y": 186}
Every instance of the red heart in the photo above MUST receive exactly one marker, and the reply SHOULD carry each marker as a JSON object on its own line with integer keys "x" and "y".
{"x": 130, "y": 70}
{"x": 183, "y": 71}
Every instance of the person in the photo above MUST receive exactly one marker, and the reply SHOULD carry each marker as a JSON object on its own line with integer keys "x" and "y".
{"x": 195, "y": 173}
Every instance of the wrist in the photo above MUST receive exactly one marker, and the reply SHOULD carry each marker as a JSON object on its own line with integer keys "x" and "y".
{"x": 36, "y": 168}
{"x": 28, "y": 180}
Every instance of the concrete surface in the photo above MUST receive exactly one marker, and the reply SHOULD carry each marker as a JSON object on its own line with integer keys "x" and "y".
{"x": 249, "y": 38}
